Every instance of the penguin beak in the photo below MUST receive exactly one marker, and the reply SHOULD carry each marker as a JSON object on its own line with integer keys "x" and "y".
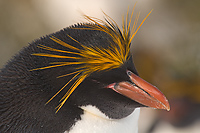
{"x": 142, "y": 92}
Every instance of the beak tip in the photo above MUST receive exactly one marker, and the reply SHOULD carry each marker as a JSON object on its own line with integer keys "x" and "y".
{"x": 167, "y": 106}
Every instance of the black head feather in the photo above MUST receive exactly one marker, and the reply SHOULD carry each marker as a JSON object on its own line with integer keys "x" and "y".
{"x": 82, "y": 59}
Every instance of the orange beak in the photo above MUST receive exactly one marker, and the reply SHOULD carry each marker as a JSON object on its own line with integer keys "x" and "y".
{"x": 142, "y": 92}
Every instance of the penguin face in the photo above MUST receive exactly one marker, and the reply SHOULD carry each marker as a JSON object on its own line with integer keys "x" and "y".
{"x": 99, "y": 69}
{"x": 104, "y": 91}
{"x": 96, "y": 91}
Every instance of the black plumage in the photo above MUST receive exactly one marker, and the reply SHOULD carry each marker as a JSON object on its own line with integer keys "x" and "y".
{"x": 28, "y": 81}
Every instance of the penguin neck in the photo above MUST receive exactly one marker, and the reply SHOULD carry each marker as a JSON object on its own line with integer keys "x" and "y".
{"x": 93, "y": 119}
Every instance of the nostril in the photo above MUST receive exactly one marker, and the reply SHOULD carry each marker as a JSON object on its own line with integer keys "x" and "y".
{"x": 129, "y": 73}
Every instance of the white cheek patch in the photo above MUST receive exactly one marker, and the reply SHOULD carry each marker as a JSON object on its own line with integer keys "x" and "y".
{"x": 94, "y": 121}
{"x": 94, "y": 111}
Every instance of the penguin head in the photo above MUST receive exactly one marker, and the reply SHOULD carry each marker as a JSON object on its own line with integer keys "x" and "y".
{"x": 95, "y": 62}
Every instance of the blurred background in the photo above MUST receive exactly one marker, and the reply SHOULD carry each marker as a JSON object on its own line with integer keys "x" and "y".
{"x": 166, "y": 49}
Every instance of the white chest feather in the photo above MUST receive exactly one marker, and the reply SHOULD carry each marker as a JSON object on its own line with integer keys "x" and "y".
{"x": 94, "y": 121}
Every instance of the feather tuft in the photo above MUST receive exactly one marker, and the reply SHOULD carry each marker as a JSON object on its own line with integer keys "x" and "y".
{"x": 91, "y": 59}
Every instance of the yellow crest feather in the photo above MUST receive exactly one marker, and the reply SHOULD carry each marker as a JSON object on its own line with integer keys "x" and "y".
{"x": 93, "y": 58}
